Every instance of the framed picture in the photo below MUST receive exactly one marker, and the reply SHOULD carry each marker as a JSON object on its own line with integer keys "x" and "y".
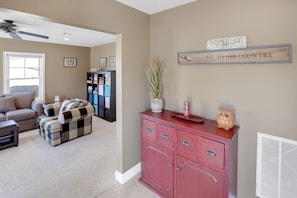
{"x": 69, "y": 62}
{"x": 112, "y": 61}
{"x": 103, "y": 61}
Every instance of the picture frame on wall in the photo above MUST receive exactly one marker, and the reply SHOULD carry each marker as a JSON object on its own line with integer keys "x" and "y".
{"x": 102, "y": 61}
{"x": 112, "y": 61}
{"x": 70, "y": 62}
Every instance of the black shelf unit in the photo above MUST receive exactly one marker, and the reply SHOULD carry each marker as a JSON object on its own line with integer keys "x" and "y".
{"x": 101, "y": 92}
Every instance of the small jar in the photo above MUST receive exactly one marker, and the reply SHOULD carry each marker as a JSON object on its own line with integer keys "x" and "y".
{"x": 186, "y": 109}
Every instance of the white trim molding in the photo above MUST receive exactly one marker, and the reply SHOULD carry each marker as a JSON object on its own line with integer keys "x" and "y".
{"x": 124, "y": 177}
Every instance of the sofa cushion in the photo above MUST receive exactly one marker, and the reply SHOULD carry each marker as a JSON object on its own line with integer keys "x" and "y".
{"x": 24, "y": 100}
{"x": 20, "y": 114}
{"x": 7, "y": 104}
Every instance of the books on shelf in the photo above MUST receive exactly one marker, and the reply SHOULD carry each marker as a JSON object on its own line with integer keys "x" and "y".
{"x": 107, "y": 79}
{"x": 107, "y": 89}
{"x": 90, "y": 89}
{"x": 95, "y": 79}
{"x": 107, "y": 102}
{"x": 100, "y": 92}
{"x": 101, "y": 81}
{"x": 95, "y": 91}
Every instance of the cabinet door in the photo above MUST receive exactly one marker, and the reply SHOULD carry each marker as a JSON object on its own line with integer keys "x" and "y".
{"x": 194, "y": 181}
{"x": 157, "y": 168}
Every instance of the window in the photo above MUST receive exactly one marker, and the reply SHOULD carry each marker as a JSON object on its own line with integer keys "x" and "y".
{"x": 24, "y": 72}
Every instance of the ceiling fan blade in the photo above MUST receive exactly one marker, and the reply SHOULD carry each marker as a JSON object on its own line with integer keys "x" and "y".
{"x": 15, "y": 36}
{"x": 7, "y": 24}
{"x": 33, "y": 34}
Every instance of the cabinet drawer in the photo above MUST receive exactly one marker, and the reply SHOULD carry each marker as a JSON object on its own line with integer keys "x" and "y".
{"x": 149, "y": 129}
{"x": 186, "y": 143}
{"x": 166, "y": 136}
{"x": 211, "y": 152}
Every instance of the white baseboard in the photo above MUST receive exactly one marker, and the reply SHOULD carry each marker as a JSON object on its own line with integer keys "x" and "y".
{"x": 124, "y": 177}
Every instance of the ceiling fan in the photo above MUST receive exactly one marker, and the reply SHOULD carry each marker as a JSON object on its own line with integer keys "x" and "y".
{"x": 9, "y": 27}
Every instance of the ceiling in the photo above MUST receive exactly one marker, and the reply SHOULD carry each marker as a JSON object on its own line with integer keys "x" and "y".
{"x": 57, "y": 32}
{"x": 76, "y": 36}
{"x": 154, "y": 6}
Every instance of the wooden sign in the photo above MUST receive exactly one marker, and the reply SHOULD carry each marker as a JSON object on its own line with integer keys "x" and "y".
{"x": 227, "y": 43}
{"x": 255, "y": 55}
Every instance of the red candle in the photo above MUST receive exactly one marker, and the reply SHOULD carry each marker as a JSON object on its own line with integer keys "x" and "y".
{"x": 187, "y": 109}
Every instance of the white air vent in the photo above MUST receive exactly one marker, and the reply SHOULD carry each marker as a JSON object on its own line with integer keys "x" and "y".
{"x": 276, "y": 167}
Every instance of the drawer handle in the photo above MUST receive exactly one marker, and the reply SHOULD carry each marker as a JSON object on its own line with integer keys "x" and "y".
{"x": 210, "y": 153}
{"x": 165, "y": 136}
{"x": 187, "y": 144}
{"x": 149, "y": 130}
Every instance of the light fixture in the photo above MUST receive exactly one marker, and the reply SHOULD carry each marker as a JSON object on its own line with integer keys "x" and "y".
{"x": 66, "y": 36}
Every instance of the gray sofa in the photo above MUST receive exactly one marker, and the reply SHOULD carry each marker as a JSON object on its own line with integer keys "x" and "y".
{"x": 22, "y": 108}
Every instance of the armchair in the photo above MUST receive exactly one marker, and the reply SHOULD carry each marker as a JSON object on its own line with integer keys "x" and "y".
{"x": 63, "y": 122}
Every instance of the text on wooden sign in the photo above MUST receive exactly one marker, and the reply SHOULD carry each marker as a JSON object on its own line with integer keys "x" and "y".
{"x": 264, "y": 54}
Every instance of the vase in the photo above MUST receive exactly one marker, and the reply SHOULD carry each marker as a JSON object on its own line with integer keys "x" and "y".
{"x": 157, "y": 105}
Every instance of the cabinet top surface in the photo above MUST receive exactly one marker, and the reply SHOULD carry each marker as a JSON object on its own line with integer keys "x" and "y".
{"x": 208, "y": 126}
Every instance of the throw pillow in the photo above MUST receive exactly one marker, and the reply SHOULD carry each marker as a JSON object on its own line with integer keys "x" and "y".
{"x": 24, "y": 100}
{"x": 7, "y": 104}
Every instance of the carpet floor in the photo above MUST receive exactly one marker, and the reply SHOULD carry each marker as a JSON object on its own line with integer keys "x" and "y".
{"x": 81, "y": 168}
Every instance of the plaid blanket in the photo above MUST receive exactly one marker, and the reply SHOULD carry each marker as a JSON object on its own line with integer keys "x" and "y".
{"x": 72, "y": 104}
{"x": 75, "y": 113}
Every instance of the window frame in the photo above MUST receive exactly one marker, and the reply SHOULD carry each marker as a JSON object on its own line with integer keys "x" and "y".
{"x": 41, "y": 56}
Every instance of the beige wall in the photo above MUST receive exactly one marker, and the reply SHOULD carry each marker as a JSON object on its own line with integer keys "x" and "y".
{"x": 264, "y": 96}
{"x": 107, "y": 51}
{"x": 59, "y": 80}
{"x": 132, "y": 51}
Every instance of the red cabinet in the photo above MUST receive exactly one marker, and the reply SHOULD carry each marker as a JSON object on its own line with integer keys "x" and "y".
{"x": 157, "y": 169}
{"x": 193, "y": 180}
{"x": 186, "y": 159}
{"x": 157, "y": 161}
